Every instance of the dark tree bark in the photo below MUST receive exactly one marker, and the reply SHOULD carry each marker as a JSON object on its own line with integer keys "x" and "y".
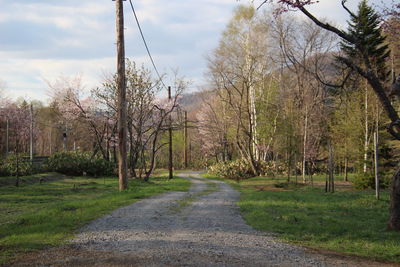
{"x": 394, "y": 221}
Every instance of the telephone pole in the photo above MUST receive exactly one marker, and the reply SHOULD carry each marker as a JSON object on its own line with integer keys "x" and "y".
{"x": 31, "y": 134}
{"x": 7, "y": 137}
{"x": 170, "y": 161}
{"x": 185, "y": 135}
{"x": 121, "y": 92}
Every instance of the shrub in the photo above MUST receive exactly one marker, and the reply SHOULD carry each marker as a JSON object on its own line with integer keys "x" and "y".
{"x": 236, "y": 169}
{"x": 8, "y": 166}
{"x": 367, "y": 181}
{"x": 3, "y": 169}
{"x": 271, "y": 168}
{"x": 98, "y": 166}
{"x": 76, "y": 163}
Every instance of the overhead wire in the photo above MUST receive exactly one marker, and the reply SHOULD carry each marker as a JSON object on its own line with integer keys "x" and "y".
{"x": 145, "y": 44}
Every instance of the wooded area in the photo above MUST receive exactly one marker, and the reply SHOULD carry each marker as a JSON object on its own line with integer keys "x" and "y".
{"x": 286, "y": 96}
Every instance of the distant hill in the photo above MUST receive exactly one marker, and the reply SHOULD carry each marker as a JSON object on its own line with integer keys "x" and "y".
{"x": 192, "y": 101}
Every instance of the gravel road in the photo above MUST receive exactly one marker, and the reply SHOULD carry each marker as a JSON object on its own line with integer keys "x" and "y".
{"x": 202, "y": 227}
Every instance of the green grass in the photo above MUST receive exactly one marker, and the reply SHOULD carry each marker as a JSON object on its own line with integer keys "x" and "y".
{"x": 35, "y": 178}
{"x": 37, "y": 216}
{"x": 347, "y": 221}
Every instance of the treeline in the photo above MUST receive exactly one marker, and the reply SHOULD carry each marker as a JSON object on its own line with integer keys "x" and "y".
{"x": 82, "y": 122}
{"x": 278, "y": 100}
{"x": 279, "y": 93}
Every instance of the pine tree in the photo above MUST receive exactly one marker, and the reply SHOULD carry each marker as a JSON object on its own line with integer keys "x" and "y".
{"x": 369, "y": 43}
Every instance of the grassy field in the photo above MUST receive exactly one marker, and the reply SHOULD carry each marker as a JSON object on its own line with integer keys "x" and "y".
{"x": 347, "y": 221}
{"x": 37, "y": 216}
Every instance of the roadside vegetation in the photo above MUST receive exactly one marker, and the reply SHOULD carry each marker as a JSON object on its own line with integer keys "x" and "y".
{"x": 348, "y": 221}
{"x": 40, "y": 215}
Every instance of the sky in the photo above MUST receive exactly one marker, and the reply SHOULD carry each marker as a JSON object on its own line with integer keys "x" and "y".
{"x": 41, "y": 40}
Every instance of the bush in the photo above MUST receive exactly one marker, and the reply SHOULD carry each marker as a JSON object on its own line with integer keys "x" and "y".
{"x": 8, "y": 167}
{"x": 241, "y": 169}
{"x": 76, "y": 164}
{"x": 271, "y": 168}
{"x": 236, "y": 169}
{"x": 367, "y": 180}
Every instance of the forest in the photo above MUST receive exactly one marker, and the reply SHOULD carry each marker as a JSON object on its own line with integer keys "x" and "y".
{"x": 278, "y": 100}
{"x": 287, "y": 97}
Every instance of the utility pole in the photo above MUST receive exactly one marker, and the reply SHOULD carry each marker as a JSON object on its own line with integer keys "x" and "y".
{"x": 121, "y": 92}
{"x": 170, "y": 161}
{"x": 185, "y": 134}
{"x": 7, "y": 136}
{"x": 31, "y": 135}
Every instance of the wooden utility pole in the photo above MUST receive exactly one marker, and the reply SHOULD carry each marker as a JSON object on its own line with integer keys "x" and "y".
{"x": 107, "y": 143}
{"x": 31, "y": 135}
{"x": 17, "y": 161}
{"x": 170, "y": 161}
{"x": 7, "y": 136}
{"x": 185, "y": 134}
{"x": 121, "y": 92}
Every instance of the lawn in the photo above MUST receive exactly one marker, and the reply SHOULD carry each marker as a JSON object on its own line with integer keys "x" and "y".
{"x": 347, "y": 221}
{"x": 41, "y": 215}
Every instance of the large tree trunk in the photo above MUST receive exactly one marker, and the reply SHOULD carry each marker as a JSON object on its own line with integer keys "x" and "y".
{"x": 366, "y": 143}
{"x": 394, "y": 221}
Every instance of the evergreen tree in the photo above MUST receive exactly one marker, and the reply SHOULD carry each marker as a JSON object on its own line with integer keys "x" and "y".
{"x": 369, "y": 43}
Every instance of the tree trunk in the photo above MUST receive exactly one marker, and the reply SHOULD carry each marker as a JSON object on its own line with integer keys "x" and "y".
{"x": 50, "y": 141}
{"x": 331, "y": 166}
{"x": 107, "y": 143}
{"x": 304, "y": 146}
{"x": 394, "y": 221}
{"x": 376, "y": 150}
{"x": 366, "y": 131}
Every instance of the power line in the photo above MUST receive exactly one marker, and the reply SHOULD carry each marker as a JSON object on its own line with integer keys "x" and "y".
{"x": 145, "y": 44}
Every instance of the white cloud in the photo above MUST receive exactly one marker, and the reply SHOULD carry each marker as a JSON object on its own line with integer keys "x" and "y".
{"x": 47, "y": 38}
{"x": 27, "y": 78}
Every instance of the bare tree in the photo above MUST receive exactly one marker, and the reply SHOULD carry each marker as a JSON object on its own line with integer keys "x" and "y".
{"x": 146, "y": 114}
{"x": 236, "y": 70}
{"x": 78, "y": 108}
{"x": 306, "y": 51}
{"x": 365, "y": 67}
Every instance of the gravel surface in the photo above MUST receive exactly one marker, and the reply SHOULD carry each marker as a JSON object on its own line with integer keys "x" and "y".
{"x": 182, "y": 229}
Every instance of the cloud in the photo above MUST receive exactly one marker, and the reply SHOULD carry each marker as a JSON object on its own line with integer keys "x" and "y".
{"x": 47, "y": 38}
